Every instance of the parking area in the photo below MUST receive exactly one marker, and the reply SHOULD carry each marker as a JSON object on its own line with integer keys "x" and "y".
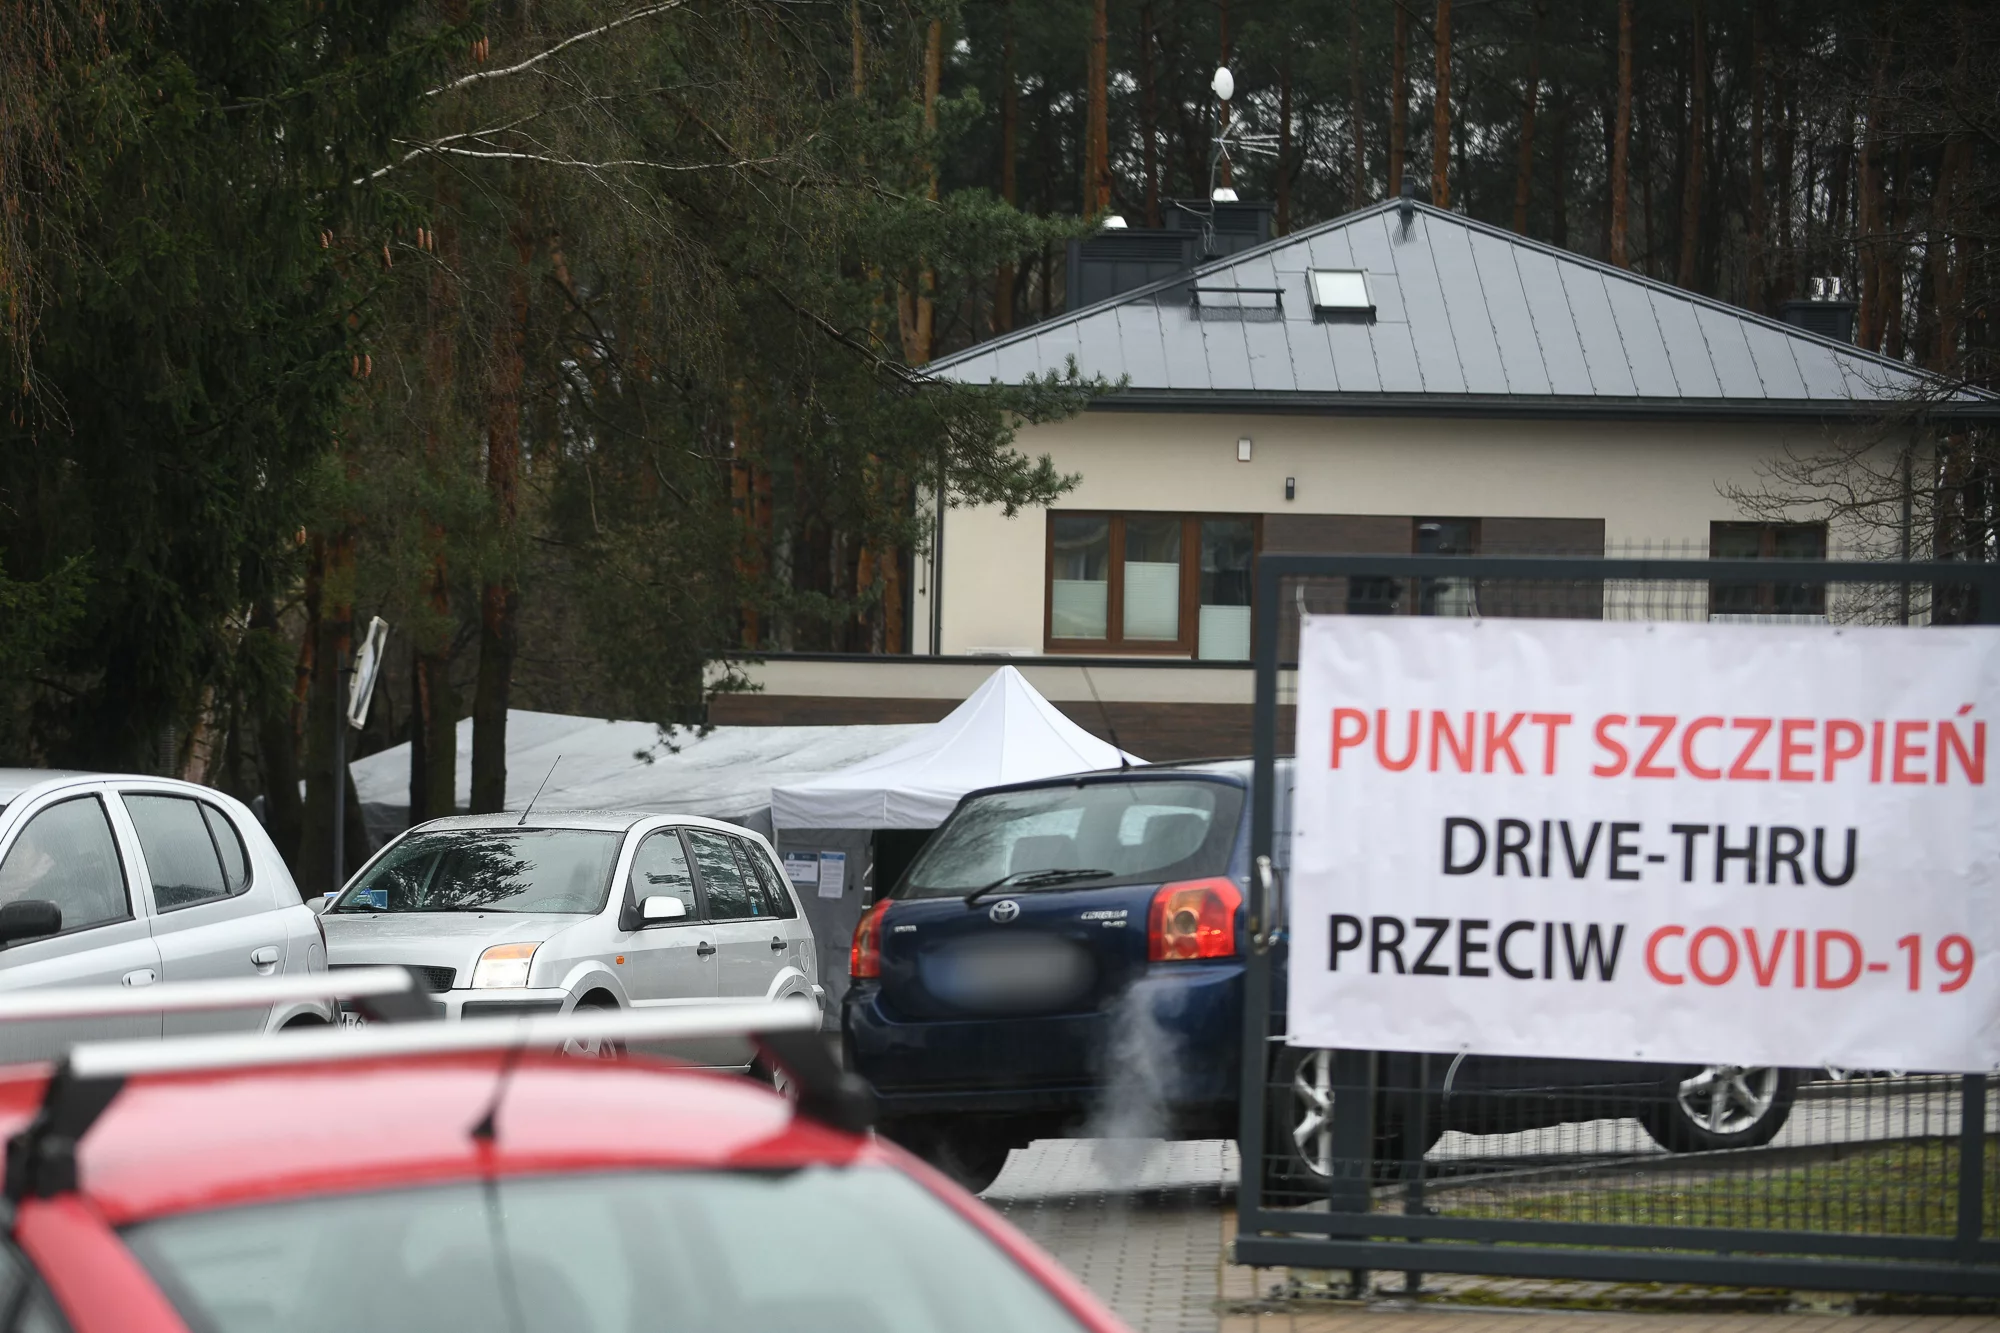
{"x": 1147, "y": 1226}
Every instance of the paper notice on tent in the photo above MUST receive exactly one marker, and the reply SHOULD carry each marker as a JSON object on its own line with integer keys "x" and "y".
{"x": 1677, "y": 842}
{"x": 802, "y": 869}
{"x": 832, "y": 874}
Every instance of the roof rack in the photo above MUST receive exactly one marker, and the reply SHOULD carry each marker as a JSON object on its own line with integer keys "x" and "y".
{"x": 183, "y": 997}
{"x": 41, "y": 1158}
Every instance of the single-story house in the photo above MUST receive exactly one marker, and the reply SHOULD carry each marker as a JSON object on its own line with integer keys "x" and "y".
{"x": 1402, "y": 379}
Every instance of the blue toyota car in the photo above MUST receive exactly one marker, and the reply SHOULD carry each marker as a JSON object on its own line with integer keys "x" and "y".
{"x": 1066, "y": 957}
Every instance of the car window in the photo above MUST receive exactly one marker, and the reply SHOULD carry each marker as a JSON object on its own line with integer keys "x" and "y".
{"x": 235, "y": 857}
{"x": 729, "y": 897}
{"x": 66, "y": 855}
{"x": 1140, "y": 831}
{"x": 667, "y": 1251}
{"x": 181, "y": 855}
{"x": 489, "y": 870}
{"x": 771, "y": 895}
{"x": 660, "y": 866}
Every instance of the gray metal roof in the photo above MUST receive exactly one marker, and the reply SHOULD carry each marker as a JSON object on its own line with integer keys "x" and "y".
{"x": 1468, "y": 318}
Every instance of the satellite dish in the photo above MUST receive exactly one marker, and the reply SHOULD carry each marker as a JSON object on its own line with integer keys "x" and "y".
{"x": 1224, "y": 84}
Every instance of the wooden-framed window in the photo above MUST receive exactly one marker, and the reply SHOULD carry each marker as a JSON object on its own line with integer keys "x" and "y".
{"x": 1172, "y": 584}
{"x": 1767, "y": 541}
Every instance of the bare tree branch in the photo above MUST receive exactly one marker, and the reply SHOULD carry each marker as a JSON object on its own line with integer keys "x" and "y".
{"x": 481, "y": 76}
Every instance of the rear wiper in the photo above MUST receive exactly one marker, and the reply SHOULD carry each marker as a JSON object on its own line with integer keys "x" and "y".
{"x": 1032, "y": 879}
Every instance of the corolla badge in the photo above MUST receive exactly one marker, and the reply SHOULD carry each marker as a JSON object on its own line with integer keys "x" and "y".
{"x": 1004, "y": 911}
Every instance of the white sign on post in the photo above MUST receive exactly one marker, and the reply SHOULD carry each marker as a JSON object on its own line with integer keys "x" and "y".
{"x": 1676, "y": 842}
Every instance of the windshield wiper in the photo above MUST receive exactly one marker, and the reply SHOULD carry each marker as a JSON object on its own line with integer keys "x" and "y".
{"x": 1032, "y": 879}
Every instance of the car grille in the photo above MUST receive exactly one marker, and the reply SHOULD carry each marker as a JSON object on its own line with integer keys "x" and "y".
{"x": 436, "y": 979}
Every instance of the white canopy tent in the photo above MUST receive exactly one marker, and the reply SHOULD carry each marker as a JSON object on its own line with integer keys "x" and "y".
{"x": 1006, "y": 732}
{"x": 610, "y": 765}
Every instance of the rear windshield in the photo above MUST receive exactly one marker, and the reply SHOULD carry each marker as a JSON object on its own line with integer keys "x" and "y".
{"x": 1136, "y": 832}
{"x": 489, "y": 870}
{"x": 660, "y": 1252}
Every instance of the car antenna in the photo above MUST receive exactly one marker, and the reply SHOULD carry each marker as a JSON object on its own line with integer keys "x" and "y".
{"x": 1104, "y": 716}
{"x": 538, "y": 793}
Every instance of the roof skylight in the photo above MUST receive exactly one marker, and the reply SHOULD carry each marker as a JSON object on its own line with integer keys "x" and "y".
{"x": 1340, "y": 293}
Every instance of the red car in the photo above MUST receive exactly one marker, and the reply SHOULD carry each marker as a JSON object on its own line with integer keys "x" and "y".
{"x": 426, "y": 1176}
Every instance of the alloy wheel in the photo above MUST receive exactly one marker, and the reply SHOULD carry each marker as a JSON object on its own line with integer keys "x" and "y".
{"x": 1312, "y": 1112}
{"x": 1728, "y": 1099}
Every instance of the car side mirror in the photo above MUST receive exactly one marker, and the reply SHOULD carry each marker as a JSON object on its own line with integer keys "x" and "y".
{"x": 662, "y": 907}
{"x": 28, "y": 919}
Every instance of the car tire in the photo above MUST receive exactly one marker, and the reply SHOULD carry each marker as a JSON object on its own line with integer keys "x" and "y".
{"x": 597, "y": 1049}
{"x": 1706, "y": 1109}
{"x": 970, "y": 1155}
{"x": 1298, "y": 1130}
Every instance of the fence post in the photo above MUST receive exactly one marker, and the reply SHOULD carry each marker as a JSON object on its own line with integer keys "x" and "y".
{"x": 1972, "y": 1159}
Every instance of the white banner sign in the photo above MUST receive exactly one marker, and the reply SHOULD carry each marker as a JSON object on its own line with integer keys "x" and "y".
{"x": 1667, "y": 842}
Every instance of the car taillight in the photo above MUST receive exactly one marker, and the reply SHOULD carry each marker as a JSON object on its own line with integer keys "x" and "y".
{"x": 1195, "y": 918}
{"x": 865, "y": 958}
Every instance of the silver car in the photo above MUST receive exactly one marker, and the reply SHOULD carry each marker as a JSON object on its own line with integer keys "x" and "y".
{"x": 613, "y": 909}
{"x": 119, "y": 880}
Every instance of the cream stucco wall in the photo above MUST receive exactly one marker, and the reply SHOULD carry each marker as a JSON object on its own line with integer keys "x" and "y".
{"x": 1648, "y": 482}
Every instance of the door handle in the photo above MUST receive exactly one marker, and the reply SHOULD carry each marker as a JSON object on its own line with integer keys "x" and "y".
{"x": 777, "y": 944}
{"x": 141, "y": 976}
{"x": 704, "y": 949}
{"x": 267, "y": 956}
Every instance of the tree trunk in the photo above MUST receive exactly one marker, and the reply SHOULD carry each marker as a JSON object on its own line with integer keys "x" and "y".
{"x": 1621, "y": 151}
{"x": 277, "y": 754}
{"x": 1149, "y": 110}
{"x": 1524, "y": 167}
{"x": 1010, "y": 133}
{"x": 1097, "y": 133}
{"x": 1399, "y": 97}
{"x": 1284, "y": 181}
{"x": 1441, "y": 111}
{"x": 333, "y": 627}
{"x": 1691, "y": 193}
{"x": 1894, "y": 251}
{"x": 1559, "y": 109}
{"x": 1872, "y": 204}
{"x": 858, "y": 76}
{"x": 434, "y": 711}
{"x": 1942, "y": 355}
{"x": 1753, "y": 280}
{"x": 499, "y": 597}
{"x": 1785, "y": 274}
{"x": 1357, "y": 121}
{"x": 927, "y": 279}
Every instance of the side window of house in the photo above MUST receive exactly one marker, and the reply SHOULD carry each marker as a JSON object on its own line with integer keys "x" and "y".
{"x": 183, "y": 858}
{"x": 1767, "y": 541}
{"x": 773, "y": 898}
{"x": 67, "y": 856}
{"x": 729, "y": 896}
{"x": 660, "y": 866}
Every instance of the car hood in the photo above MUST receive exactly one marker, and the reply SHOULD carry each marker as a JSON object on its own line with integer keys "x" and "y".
{"x": 434, "y": 939}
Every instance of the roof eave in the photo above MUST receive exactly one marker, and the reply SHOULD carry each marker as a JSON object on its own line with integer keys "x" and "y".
{"x": 1545, "y": 407}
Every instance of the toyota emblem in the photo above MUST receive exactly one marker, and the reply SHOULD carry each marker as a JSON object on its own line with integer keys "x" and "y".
{"x": 1004, "y": 911}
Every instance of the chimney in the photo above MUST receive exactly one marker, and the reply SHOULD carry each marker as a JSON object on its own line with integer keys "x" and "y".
{"x": 1193, "y": 232}
{"x": 1827, "y": 313}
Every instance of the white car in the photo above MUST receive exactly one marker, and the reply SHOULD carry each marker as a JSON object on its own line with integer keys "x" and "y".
{"x": 109, "y": 879}
{"x": 568, "y": 909}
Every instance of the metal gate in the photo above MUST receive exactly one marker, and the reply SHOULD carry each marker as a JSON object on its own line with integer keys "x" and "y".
{"x": 1874, "y": 1180}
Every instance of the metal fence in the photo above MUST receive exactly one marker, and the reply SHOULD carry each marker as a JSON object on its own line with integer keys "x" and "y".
{"x": 1822, "y": 1179}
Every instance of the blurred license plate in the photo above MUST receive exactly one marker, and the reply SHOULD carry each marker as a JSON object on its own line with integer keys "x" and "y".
{"x": 350, "y": 1017}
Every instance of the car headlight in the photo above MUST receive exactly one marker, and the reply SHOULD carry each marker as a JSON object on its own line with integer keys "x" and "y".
{"x": 504, "y": 967}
